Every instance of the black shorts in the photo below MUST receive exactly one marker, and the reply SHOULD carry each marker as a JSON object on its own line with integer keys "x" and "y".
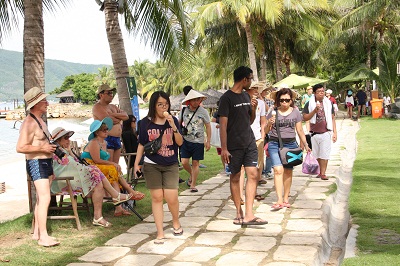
{"x": 246, "y": 157}
{"x": 39, "y": 168}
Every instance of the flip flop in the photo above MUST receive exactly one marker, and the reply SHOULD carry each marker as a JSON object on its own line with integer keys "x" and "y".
{"x": 194, "y": 190}
{"x": 259, "y": 197}
{"x": 122, "y": 213}
{"x": 159, "y": 241}
{"x": 176, "y": 231}
{"x": 277, "y": 206}
{"x": 137, "y": 195}
{"x": 255, "y": 221}
{"x": 286, "y": 204}
{"x": 238, "y": 221}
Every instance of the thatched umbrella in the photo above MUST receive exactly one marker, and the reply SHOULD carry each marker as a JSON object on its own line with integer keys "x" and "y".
{"x": 176, "y": 101}
{"x": 213, "y": 92}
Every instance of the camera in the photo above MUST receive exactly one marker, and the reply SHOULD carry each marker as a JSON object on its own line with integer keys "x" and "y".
{"x": 58, "y": 152}
{"x": 184, "y": 131}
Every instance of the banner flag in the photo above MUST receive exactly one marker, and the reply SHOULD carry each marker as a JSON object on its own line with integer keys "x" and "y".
{"x": 130, "y": 81}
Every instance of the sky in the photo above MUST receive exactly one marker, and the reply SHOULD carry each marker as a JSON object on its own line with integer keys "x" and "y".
{"x": 77, "y": 34}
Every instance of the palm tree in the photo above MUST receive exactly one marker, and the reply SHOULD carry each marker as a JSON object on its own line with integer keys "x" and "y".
{"x": 160, "y": 21}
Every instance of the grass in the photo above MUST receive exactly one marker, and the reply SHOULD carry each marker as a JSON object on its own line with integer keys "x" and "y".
{"x": 17, "y": 247}
{"x": 374, "y": 194}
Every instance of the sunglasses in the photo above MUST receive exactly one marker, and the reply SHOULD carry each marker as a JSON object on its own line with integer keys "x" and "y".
{"x": 284, "y": 100}
{"x": 103, "y": 129}
{"x": 108, "y": 92}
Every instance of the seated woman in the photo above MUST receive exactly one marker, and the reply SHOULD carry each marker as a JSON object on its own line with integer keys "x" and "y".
{"x": 95, "y": 152}
{"x": 130, "y": 137}
{"x": 88, "y": 179}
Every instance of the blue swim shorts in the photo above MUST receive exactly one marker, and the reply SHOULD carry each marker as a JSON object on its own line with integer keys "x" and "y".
{"x": 39, "y": 168}
{"x": 113, "y": 143}
{"x": 192, "y": 150}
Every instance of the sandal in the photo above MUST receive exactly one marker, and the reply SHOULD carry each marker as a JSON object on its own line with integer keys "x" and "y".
{"x": 117, "y": 200}
{"x": 259, "y": 197}
{"x": 277, "y": 206}
{"x": 188, "y": 182}
{"x": 122, "y": 213}
{"x": 286, "y": 204}
{"x": 97, "y": 222}
{"x": 194, "y": 190}
{"x": 177, "y": 231}
{"x": 238, "y": 221}
{"x": 137, "y": 195}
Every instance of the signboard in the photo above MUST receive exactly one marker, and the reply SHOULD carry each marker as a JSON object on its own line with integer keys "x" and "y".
{"x": 130, "y": 81}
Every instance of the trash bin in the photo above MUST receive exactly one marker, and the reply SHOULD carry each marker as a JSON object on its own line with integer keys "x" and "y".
{"x": 376, "y": 105}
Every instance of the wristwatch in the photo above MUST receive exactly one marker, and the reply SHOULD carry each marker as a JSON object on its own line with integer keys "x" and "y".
{"x": 175, "y": 131}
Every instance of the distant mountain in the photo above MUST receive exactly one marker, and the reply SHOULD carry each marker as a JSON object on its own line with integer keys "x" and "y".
{"x": 11, "y": 74}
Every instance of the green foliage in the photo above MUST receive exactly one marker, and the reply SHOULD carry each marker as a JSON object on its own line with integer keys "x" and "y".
{"x": 82, "y": 85}
{"x": 389, "y": 80}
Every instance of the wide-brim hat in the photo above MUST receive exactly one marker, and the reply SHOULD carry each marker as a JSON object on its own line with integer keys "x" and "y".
{"x": 193, "y": 95}
{"x": 33, "y": 96}
{"x": 272, "y": 95}
{"x": 259, "y": 85}
{"x": 104, "y": 87}
{"x": 60, "y": 132}
{"x": 96, "y": 124}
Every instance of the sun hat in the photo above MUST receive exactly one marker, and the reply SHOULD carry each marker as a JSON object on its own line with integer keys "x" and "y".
{"x": 259, "y": 85}
{"x": 104, "y": 87}
{"x": 60, "y": 132}
{"x": 193, "y": 95}
{"x": 329, "y": 91}
{"x": 33, "y": 96}
{"x": 96, "y": 124}
{"x": 272, "y": 95}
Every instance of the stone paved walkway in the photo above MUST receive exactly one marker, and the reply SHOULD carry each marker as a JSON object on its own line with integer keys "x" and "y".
{"x": 292, "y": 237}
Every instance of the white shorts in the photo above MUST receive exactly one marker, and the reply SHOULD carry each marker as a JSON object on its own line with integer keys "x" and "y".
{"x": 321, "y": 145}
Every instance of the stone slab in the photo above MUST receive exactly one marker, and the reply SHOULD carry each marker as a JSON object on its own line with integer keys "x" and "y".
{"x": 182, "y": 206}
{"x": 214, "y": 238}
{"x": 144, "y": 228}
{"x": 203, "y": 211}
{"x": 105, "y": 254}
{"x": 207, "y": 203}
{"x": 281, "y": 263}
{"x": 169, "y": 246}
{"x": 188, "y": 199}
{"x": 82, "y": 264}
{"x": 223, "y": 225}
{"x": 304, "y": 254}
{"x": 307, "y": 204}
{"x": 167, "y": 217}
{"x": 139, "y": 259}
{"x": 179, "y": 263}
{"x": 312, "y": 195}
{"x": 222, "y": 196}
{"x": 318, "y": 182}
{"x": 309, "y": 225}
{"x": 206, "y": 186}
{"x": 198, "y": 254}
{"x": 226, "y": 214}
{"x": 126, "y": 240}
{"x": 267, "y": 230}
{"x": 255, "y": 243}
{"x": 315, "y": 190}
{"x": 194, "y": 221}
{"x": 215, "y": 180}
{"x": 241, "y": 258}
{"x": 301, "y": 238}
{"x": 306, "y": 214}
{"x": 187, "y": 192}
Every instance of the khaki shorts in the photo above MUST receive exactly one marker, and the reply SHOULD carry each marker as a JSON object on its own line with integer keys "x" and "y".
{"x": 260, "y": 150}
{"x": 161, "y": 176}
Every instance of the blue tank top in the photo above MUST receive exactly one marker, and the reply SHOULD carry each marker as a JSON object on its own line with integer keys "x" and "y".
{"x": 103, "y": 155}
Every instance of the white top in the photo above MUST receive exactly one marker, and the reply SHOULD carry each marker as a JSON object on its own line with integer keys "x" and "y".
{"x": 256, "y": 126}
{"x": 386, "y": 100}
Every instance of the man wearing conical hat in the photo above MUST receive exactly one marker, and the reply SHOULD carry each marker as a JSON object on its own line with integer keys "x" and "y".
{"x": 194, "y": 119}
{"x": 38, "y": 152}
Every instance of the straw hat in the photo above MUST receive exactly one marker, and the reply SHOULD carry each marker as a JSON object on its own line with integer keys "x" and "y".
{"x": 61, "y": 132}
{"x": 33, "y": 96}
{"x": 272, "y": 95}
{"x": 97, "y": 124}
{"x": 193, "y": 95}
{"x": 104, "y": 87}
{"x": 259, "y": 85}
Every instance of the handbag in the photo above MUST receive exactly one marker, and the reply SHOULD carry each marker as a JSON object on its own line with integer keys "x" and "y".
{"x": 289, "y": 157}
{"x": 152, "y": 147}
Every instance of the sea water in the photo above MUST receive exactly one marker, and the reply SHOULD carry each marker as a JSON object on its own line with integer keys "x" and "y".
{"x": 9, "y": 133}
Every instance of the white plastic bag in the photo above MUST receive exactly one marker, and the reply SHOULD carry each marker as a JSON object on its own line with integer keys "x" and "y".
{"x": 215, "y": 140}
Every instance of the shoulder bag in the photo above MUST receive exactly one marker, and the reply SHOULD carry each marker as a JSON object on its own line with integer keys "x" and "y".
{"x": 152, "y": 147}
{"x": 289, "y": 157}
{"x": 184, "y": 129}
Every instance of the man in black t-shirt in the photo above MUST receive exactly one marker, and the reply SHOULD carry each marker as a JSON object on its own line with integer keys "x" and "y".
{"x": 362, "y": 100}
{"x": 238, "y": 146}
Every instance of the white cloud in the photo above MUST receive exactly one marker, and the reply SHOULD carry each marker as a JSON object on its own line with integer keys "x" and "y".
{"x": 77, "y": 34}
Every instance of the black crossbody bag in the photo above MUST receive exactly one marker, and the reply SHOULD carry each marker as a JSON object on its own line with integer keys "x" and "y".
{"x": 289, "y": 157}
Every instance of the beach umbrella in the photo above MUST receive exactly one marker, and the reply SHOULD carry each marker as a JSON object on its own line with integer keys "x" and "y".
{"x": 296, "y": 81}
{"x": 361, "y": 73}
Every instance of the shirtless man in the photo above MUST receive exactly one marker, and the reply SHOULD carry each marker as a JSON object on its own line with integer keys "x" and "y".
{"x": 38, "y": 153}
{"x": 102, "y": 109}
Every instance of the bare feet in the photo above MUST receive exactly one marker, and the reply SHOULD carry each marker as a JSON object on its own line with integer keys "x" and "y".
{"x": 48, "y": 242}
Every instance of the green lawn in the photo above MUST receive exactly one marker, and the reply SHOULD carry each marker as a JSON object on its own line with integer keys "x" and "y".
{"x": 17, "y": 247}
{"x": 375, "y": 193}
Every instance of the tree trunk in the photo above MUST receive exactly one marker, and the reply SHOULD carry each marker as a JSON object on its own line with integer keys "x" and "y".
{"x": 368, "y": 63}
{"x": 33, "y": 65}
{"x": 278, "y": 60}
{"x": 251, "y": 50}
{"x": 118, "y": 54}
